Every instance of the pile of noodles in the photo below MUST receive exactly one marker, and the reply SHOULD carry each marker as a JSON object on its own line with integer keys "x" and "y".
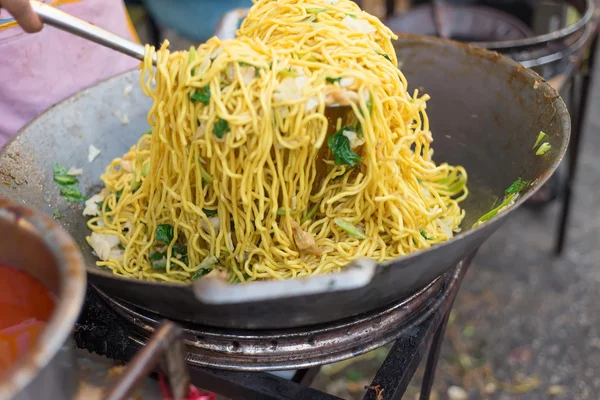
{"x": 244, "y": 175}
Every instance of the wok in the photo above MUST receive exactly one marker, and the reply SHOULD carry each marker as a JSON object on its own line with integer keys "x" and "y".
{"x": 485, "y": 110}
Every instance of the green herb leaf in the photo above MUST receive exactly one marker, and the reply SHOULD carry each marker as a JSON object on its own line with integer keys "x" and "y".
{"x": 350, "y": 229}
{"x": 148, "y": 132}
{"x": 340, "y": 147}
{"x": 316, "y": 10}
{"x": 543, "y": 149}
{"x": 540, "y": 137}
{"x": 202, "y": 95}
{"x": 352, "y": 15}
{"x": 210, "y": 213}
{"x": 118, "y": 195}
{"x": 165, "y": 233}
{"x": 424, "y": 234}
{"x": 121, "y": 247}
{"x": 220, "y": 128}
{"x": 333, "y": 80}
{"x": 158, "y": 260}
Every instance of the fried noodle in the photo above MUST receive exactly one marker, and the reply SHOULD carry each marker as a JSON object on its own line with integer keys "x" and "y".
{"x": 286, "y": 152}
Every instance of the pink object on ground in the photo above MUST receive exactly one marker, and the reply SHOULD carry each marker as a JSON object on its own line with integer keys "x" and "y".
{"x": 39, "y": 70}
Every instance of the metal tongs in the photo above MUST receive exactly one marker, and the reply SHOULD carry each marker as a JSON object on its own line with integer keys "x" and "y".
{"x": 68, "y": 23}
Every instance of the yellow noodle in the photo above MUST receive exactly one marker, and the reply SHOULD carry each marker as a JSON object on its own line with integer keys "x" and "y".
{"x": 258, "y": 154}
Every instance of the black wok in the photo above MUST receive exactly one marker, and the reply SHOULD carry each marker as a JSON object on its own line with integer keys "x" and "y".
{"x": 486, "y": 112}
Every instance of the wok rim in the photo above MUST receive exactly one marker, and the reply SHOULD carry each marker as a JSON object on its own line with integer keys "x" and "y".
{"x": 471, "y": 50}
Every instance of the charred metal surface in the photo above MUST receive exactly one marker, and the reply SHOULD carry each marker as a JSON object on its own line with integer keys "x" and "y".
{"x": 289, "y": 348}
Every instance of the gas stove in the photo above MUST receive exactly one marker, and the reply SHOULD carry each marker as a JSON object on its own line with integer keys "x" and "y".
{"x": 240, "y": 364}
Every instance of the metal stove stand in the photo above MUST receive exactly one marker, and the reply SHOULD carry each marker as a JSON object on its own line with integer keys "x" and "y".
{"x": 102, "y": 330}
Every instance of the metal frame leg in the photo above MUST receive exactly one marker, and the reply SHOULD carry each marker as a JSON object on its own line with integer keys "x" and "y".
{"x": 580, "y": 105}
{"x": 433, "y": 357}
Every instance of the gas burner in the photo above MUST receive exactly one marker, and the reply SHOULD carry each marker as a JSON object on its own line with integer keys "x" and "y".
{"x": 231, "y": 362}
{"x": 292, "y": 348}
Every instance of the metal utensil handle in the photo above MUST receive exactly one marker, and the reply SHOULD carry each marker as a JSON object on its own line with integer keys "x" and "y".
{"x": 165, "y": 348}
{"x": 68, "y": 23}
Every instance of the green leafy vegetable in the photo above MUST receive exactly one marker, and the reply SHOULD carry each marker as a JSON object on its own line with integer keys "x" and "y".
{"x": 192, "y": 58}
{"x": 311, "y": 213}
{"x": 510, "y": 194}
{"x": 340, "y": 147}
{"x": 145, "y": 169}
{"x": 165, "y": 233}
{"x": 333, "y": 80}
{"x": 201, "y": 272}
{"x": 118, "y": 195}
{"x": 65, "y": 179}
{"x": 121, "y": 247}
{"x": 56, "y": 214}
{"x": 209, "y": 213}
{"x": 283, "y": 211}
{"x": 543, "y": 149}
{"x": 148, "y": 132}
{"x": 220, "y": 128}
{"x": 516, "y": 187}
{"x": 288, "y": 72}
{"x": 384, "y": 56}
{"x": 316, "y": 10}
{"x": 424, "y": 234}
{"x": 352, "y": 15}
{"x": 358, "y": 129}
{"x": 202, "y": 95}
{"x": 205, "y": 267}
{"x": 350, "y": 229}
{"x": 206, "y": 177}
{"x": 540, "y": 137}
{"x": 180, "y": 252}
{"x": 158, "y": 260}
{"x": 67, "y": 184}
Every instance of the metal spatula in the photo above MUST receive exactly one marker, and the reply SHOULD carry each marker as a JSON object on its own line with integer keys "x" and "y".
{"x": 68, "y": 23}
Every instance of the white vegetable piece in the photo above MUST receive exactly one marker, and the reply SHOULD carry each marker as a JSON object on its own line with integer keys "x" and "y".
{"x": 103, "y": 244}
{"x": 358, "y": 25}
{"x": 91, "y": 205}
{"x": 93, "y": 153}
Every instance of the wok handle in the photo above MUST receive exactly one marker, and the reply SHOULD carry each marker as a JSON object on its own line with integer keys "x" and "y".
{"x": 217, "y": 291}
{"x": 165, "y": 348}
{"x": 68, "y": 23}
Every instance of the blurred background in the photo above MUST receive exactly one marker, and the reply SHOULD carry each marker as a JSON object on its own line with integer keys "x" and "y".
{"x": 526, "y": 323}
